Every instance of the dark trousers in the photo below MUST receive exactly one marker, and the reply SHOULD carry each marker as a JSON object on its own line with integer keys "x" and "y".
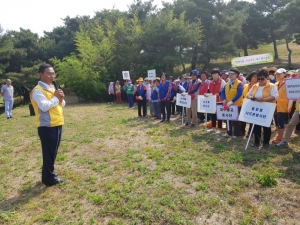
{"x": 257, "y": 134}
{"x": 130, "y": 100}
{"x": 110, "y": 97}
{"x": 236, "y": 126}
{"x": 165, "y": 106}
{"x": 142, "y": 103}
{"x": 201, "y": 116}
{"x": 157, "y": 110}
{"x": 124, "y": 97}
{"x": 213, "y": 118}
{"x": 243, "y": 127}
{"x": 172, "y": 107}
{"x": 50, "y": 139}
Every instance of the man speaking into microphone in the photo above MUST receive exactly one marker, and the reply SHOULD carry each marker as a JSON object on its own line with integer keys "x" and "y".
{"x": 48, "y": 102}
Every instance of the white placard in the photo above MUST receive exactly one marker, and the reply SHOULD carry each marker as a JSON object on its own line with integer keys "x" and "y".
{"x": 207, "y": 104}
{"x": 231, "y": 114}
{"x": 252, "y": 60}
{"x": 126, "y": 75}
{"x": 260, "y": 113}
{"x": 184, "y": 101}
{"x": 292, "y": 87}
{"x": 151, "y": 74}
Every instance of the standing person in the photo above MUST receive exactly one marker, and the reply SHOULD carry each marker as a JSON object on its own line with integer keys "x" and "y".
{"x": 264, "y": 91}
{"x": 202, "y": 90}
{"x": 148, "y": 97}
{"x": 224, "y": 76}
{"x": 48, "y": 103}
{"x": 282, "y": 105}
{"x": 111, "y": 93}
{"x": 215, "y": 87}
{"x": 164, "y": 96}
{"x": 7, "y": 91}
{"x": 252, "y": 79}
{"x": 155, "y": 100}
{"x": 124, "y": 95}
{"x": 232, "y": 95}
{"x": 173, "y": 97}
{"x": 181, "y": 88}
{"x": 129, "y": 92}
{"x": 294, "y": 121}
{"x": 140, "y": 96}
{"x": 193, "y": 88}
{"x": 118, "y": 92}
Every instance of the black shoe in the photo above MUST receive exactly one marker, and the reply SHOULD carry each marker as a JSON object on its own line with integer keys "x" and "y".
{"x": 162, "y": 121}
{"x": 57, "y": 180}
{"x": 187, "y": 123}
{"x": 254, "y": 145}
{"x": 192, "y": 125}
{"x": 8, "y": 118}
{"x": 266, "y": 145}
{"x": 167, "y": 121}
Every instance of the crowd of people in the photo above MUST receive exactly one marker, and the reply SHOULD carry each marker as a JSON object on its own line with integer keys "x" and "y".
{"x": 230, "y": 87}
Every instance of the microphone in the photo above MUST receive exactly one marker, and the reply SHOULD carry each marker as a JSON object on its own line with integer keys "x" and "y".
{"x": 55, "y": 85}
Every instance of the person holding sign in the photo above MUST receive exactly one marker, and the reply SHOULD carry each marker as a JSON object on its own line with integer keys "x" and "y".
{"x": 282, "y": 105}
{"x": 215, "y": 87}
{"x": 164, "y": 96}
{"x": 193, "y": 87}
{"x": 292, "y": 124}
{"x": 252, "y": 78}
{"x": 129, "y": 92}
{"x": 140, "y": 96}
{"x": 203, "y": 89}
{"x": 232, "y": 95}
{"x": 264, "y": 91}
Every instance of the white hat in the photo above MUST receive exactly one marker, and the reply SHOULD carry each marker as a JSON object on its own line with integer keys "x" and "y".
{"x": 281, "y": 70}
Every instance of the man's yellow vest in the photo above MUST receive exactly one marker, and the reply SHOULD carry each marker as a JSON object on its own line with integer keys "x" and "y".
{"x": 53, "y": 117}
{"x": 266, "y": 91}
{"x": 232, "y": 92}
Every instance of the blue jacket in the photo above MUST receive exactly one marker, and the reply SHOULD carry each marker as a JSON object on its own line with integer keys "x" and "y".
{"x": 164, "y": 90}
{"x": 141, "y": 91}
{"x": 154, "y": 95}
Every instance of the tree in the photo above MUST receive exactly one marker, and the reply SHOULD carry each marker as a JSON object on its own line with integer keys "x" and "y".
{"x": 268, "y": 8}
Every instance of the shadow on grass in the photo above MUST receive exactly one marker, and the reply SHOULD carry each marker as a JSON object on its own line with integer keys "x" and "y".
{"x": 24, "y": 197}
{"x": 293, "y": 168}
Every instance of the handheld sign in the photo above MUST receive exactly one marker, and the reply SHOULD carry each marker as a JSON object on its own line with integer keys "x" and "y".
{"x": 231, "y": 114}
{"x": 184, "y": 101}
{"x": 126, "y": 75}
{"x": 207, "y": 104}
{"x": 292, "y": 87}
{"x": 260, "y": 113}
{"x": 151, "y": 74}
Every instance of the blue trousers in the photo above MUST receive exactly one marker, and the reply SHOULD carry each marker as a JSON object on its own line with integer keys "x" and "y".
{"x": 50, "y": 139}
{"x": 130, "y": 100}
{"x": 8, "y": 108}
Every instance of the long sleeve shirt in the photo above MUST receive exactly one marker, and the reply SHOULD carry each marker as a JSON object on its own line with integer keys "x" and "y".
{"x": 195, "y": 89}
{"x": 239, "y": 93}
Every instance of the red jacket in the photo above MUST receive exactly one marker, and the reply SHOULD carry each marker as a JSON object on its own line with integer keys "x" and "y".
{"x": 204, "y": 87}
{"x": 215, "y": 87}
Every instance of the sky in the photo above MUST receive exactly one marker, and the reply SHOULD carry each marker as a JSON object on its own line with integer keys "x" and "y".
{"x": 39, "y": 16}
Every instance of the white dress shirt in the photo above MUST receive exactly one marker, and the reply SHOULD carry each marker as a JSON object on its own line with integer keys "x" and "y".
{"x": 43, "y": 103}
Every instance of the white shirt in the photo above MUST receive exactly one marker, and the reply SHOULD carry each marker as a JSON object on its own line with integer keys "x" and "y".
{"x": 43, "y": 103}
{"x": 258, "y": 94}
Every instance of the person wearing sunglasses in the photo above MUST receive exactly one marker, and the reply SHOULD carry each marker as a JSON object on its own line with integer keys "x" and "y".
{"x": 263, "y": 91}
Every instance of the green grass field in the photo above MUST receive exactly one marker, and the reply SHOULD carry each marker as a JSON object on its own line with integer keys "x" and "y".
{"x": 125, "y": 170}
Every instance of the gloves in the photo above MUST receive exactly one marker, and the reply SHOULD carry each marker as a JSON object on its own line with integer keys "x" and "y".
{"x": 225, "y": 107}
{"x": 140, "y": 97}
{"x": 229, "y": 104}
{"x": 174, "y": 99}
{"x": 182, "y": 89}
{"x": 184, "y": 93}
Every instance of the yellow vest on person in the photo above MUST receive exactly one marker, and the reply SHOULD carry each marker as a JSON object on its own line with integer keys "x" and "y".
{"x": 230, "y": 93}
{"x": 282, "y": 101}
{"x": 53, "y": 117}
{"x": 266, "y": 91}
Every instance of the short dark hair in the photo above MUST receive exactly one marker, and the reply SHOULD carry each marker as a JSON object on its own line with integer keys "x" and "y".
{"x": 263, "y": 73}
{"x": 43, "y": 67}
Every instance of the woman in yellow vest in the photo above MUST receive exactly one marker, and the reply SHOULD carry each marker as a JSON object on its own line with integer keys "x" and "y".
{"x": 252, "y": 79}
{"x": 118, "y": 92}
{"x": 263, "y": 91}
{"x": 292, "y": 124}
{"x": 282, "y": 108}
{"x": 232, "y": 94}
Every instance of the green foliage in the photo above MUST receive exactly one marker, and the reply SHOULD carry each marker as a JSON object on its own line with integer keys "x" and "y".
{"x": 267, "y": 177}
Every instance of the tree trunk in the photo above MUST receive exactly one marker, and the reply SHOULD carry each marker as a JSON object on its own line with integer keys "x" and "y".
{"x": 274, "y": 43}
{"x": 180, "y": 56}
{"x": 290, "y": 52}
{"x": 245, "y": 48}
{"x": 194, "y": 58}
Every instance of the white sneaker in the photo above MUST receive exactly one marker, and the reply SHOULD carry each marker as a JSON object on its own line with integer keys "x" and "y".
{"x": 226, "y": 135}
{"x": 210, "y": 130}
{"x": 234, "y": 137}
{"x": 282, "y": 144}
{"x": 218, "y": 132}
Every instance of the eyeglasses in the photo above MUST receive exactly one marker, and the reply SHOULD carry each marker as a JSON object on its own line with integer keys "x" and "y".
{"x": 261, "y": 78}
{"x": 50, "y": 74}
